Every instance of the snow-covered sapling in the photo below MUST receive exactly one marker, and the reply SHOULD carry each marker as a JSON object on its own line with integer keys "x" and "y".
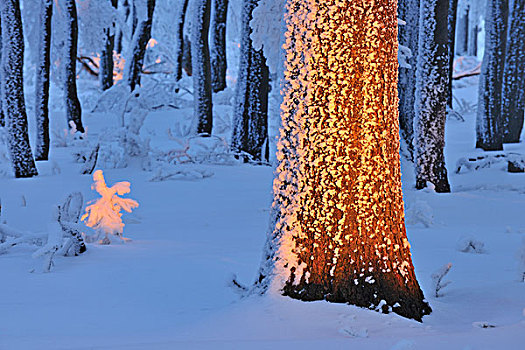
{"x": 471, "y": 245}
{"x": 104, "y": 215}
{"x": 437, "y": 279}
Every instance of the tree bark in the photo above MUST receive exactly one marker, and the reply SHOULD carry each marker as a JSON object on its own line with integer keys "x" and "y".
{"x": 200, "y": 54}
{"x": 431, "y": 96}
{"x": 2, "y": 117}
{"x": 489, "y": 123}
{"x": 250, "y": 119}
{"x": 180, "y": 40}
{"x": 473, "y": 35}
{"x": 106, "y": 57}
{"x": 452, "y": 17}
{"x": 513, "y": 98}
{"x": 73, "y": 108}
{"x": 408, "y": 36}
{"x": 462, "y": 32}
{"x": 339, "y": 232}
{"x": 42, "y": 81}
{"x": 12, "y": 67}
{"x": 218, "y": 46}
{"x": 139, "y": 42}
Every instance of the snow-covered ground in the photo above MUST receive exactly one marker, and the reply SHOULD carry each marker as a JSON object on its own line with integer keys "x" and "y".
{"x": 169, "y": 287}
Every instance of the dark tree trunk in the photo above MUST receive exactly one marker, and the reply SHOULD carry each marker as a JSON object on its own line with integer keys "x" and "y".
{"x": 339, "y": 232}
{"x": 218, "y": 46}
{"x": 12, "y": 67}
{"x": 250, "y": 119}
{"x": 431, "y": 96}
{"x": 513, "y": 99}
{"x": 200, "y": 54}
{"x": 180, "y": 40}
{"x": 187, "y": 64}
{"x": 73, "y": 108}
{"x": 452, "y": 17}
{"x": 462, "y": 33}
{"x": 105, "y": 74}
{"x": 42, "y": 81}
{"x": 489, "y": 123}
{"x": 473, "y": 37}
{"x": 139, "y": 43}
{"x": 408, "y": 36}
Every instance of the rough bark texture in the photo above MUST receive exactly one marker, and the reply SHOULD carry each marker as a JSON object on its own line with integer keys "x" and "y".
{"x": 489, "y": 123}
{"x": 218, "y": 45}
{"x": 106, "y": 56}
{"x": 73, "y": 108}
{"x": 462, "y": 32}
{"x": 2, "y": 117}
{"x": 513, "y": 99}
{"x": 12, "y": 93}
{"x": 138, "y": 45}
{"x": 452, "y": 16}
{"x": 339, "y": 231}
{"x": 431, "y": 96}
{"x": 180, "y": 40}
{"x": 200, "y": 54}
{"x": 42, "y": 82}
{"x": 250, "y": 119}
{"x": 408, "y": 36}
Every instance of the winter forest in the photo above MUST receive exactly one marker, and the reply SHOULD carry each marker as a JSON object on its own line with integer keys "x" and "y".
{"x": 262, "y": 174}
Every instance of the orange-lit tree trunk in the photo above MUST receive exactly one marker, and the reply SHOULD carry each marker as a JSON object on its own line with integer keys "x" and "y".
{"x": 338, "y": 232}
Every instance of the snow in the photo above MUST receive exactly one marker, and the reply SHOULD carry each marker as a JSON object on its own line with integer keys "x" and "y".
{"x": 168, "y": 288}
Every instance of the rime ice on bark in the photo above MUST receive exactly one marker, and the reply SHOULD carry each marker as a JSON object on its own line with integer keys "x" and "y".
{"x": 431, "y": 96}
{"x": 104, "y": 214}
{"x": 200, "y": 54}
{"x": 218, "y": 45}
{"x": 489, "y": 123}
{"x": 12, "y": 93}
{"x": 408, "y": 36}
{"x": 338, "y": 230}
{"x": 139, "y": 41}
{"x": 42, "y": 81}
{"x": 250, "y": 119}
{"x": 513, "y": 96}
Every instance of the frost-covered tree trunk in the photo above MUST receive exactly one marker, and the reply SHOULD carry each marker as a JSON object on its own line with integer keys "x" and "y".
{"x": 339, "y": 232}
{"x": 452, "y": 17}
{"x": 473, "y": 30}
{"x": 180, "y": 39}
{"x": 250, "y": 118}
{"x": 431, "y": 96}
{"x": 513, "y": 98}
{"x": 12, "y": 94}
{"x": 462, "y": 31}
{"x": 73, "y": 108}
{"x": 138, "y": 45}
{"x": 42, "y": 81}
{"x": 106, "y": 56}
{"x": 218, "y": 45}
{"x": 408, "y": 36}
{"x": 489, "y": 123}
{"x": 200, "y": 54}
{"x": 2, "y": 117}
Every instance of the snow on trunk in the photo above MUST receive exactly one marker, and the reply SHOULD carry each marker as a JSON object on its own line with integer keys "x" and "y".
{"x": 489, "y": 123}
{"x": 452, "y": 17}
{"x": 462, "y": 28}
{"x": 513, "y": 98}
{"x": 138, "y": 45}
{"x": 250, "y": 119}
{"x": 431, "y": 96}
{"x": 200, "y": 54}
{"x": 105, "y": 74}
{"x": 180, "y": 39}
{"x": 73, "y": 108}
{"x": 42, "y": 81}
{"x": 218, "y": 45}
{"x": 408, "y": 11}
{"x": 12, "y": 93}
